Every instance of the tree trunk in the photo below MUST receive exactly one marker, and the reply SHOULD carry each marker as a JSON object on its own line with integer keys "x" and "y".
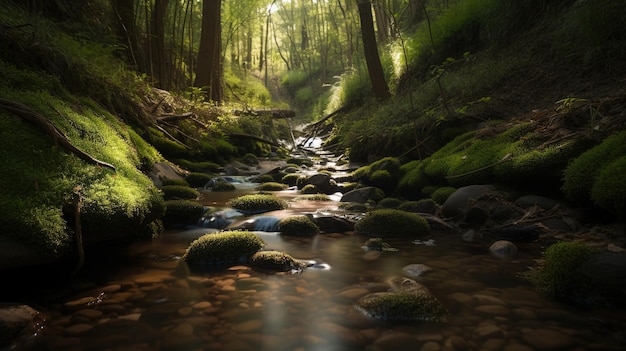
{"x": 209, "y": 70}
{"x": 374, "y": 67}
{"x": 124, "y": 18}
{"x": 159, "y": 14}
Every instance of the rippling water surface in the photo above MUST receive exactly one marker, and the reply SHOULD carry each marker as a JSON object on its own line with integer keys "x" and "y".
{"x": 140, "y": 297}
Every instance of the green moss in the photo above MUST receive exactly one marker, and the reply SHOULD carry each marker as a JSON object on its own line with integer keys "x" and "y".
{"x": 182, "y": 212}
{"x": 314, "y": 197}
{"x": 309, "y": 189}
{"x": 386, "y": 223}
{"x": 177, "y": 182}
{"x": 559, "y": 274}
{"x": 353, "y": 207}
{"x": 441, "y": 195}
{"x": 609, "y": 189}
{"x": 197, "y": 180}
{"x": 257, "y": 203}
{"x": 390, "y": 164}
{"x": 377, "y": 244}
{"x": 272, "y": 186}
{"x": 361, "y": 173}
{"x": 300, "y": 161}
{"x": 390, "y": 202}
{"x": 413, "y": 180}
{"x": 198, "y": 167}
{"x": 290, "y": 179}
{"x": 298, "y": 226}
{"x": 582, "y": 173}
{"x": 223, "y": 186}
{"x": 403, "y": 306}
{"x": 275, "y": 261}
{"x": 250, "y": 159}
{"x": 172, "y": 192}
{"x": 223, "y": 248}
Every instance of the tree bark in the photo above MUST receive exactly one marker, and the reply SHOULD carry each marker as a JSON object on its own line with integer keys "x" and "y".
{"x": 209, "y": 71}
{"x": 374, "y": 67}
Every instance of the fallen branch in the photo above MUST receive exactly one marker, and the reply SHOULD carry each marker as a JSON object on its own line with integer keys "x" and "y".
{"x": 186, "y": 115}
{"x": 253, "y": 137}
{"x": 274, "y": 113}
{"x": 40, "y": 121}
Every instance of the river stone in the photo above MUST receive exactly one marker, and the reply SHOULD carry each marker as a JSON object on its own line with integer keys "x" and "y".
{"x": 362, "y": 195}
{"x": 503, "y": 249}
{"x": 13, "y": 319}
{"x": 547, "y": 339}
{"x": 415, "y": 270}
{"x": 459, "y": 201}
{"x": 323, "y": 182}
{"x": 332, "y": 224}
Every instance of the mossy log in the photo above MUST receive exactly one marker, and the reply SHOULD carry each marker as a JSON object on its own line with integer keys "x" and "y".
{"x": 43, "y": 123}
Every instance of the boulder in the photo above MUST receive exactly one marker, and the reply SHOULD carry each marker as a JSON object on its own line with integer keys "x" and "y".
{"x": 13, "y": 319}
{"x": 363, "y": 195}
{"x": 503, "y": 249}
{"x": 464, "y": 198}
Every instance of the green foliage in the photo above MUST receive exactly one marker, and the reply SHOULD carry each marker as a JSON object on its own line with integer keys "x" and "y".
{"x": 413, "y": 179}
{"x": 223, "y": 248}
{"x": 177, "y": 192}
{"x": 559, "y": 275}
{"x": 197, "y": 180}
{"x": 272, "y": 186}
{"x": 583, "y": 173}
{"x": 298, "y": 226}
{"x": 294, "y": 79}
{"x": 441, "y": 195}
{"x": 182, "y": 213}
{"x": 257, "y": 203}
{"x": 305, "y": 96}
{"x": 386, "y": 223}
{"x": 247, "y": 88}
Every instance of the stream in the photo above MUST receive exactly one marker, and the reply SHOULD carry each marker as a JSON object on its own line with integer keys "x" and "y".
{"x": 142, "y": 297}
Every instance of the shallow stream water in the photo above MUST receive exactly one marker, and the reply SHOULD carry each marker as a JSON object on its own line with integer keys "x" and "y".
{"x": 141, "y": 297}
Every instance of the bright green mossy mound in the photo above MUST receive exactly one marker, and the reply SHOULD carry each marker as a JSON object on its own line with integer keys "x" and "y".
{"x": 386, "y": 223}
{"x": 223, "y": 248}
{"x": 178, "y": 192}
{"x": 309, "y": 189}
{"x": 298, "y": 226}
{"x": 198, "y": 180}
{"x": 418, "y": 305}
{"x": 441, "y": 195}
{"x": 275, "y": 261}
{"x": 257, "y": 203}
{"x": 272, "y": 186}
{"x": 559, "y": 276}
{"x": 413, "y": 179}
{"x": 38, "y": 178}
{"x": 598, "y": 175}
{"x": 180, "y": 213}
{"x": 390, "y": 202}
{"x": 383, "y": 173}
{"x": 290, "y": 179}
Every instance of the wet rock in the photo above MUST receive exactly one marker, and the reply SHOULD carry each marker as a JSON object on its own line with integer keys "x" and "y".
{"x": 362, "y": 195}
{"x": 458, "y": 202}
{"x": 415, "y": 270}
{"x": 396, "y": 341}
{"x": 275, "y": 261}
{"x": 503, "y": 249}
{"x": 547, "y": 339}
{"x": 488, "y": 331}
{"x": 332, "y": 224}
{"x": 13, "y": 319}
{"x": 515, "y": 234}
{"x": 471, "y": 236}
{"x": 323, "y": 182}
{"x": 535, "y": 200}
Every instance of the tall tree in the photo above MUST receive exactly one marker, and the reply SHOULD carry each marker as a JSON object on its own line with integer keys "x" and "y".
{"x": 157, "y": 43}
{"x": 209, "y": 70}
{"x": 370, "y": 49}
{"x": 126, "y": 30}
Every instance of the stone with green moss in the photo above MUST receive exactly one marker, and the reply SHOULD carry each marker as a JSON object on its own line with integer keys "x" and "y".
{"x": 222, "y": 248}
{"x": 177, "y": 192}
{"x": 272, "y": 186}
{"x": 257, "y": 203}
{"x": 180, "y": 213}
{"x": 390, "y": 202}
{"x": 416, "y": 303}
{"x": 386, "y": 223}
{"x": 559, "y": 275}
{"x": 221, "y": 185}
{"x": 298, "y": 226}
{"x": 441, "y": 194}
{"x": 291, "y": 179}
{"x": 275, "y": 261}
{"x": 377, "y": 244}
{"x": 309, "y": 189}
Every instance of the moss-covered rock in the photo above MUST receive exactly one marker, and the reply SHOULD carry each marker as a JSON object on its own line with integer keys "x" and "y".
{"x": 413, "y": 179}
{"x": 441, "y": 194}
{"x": 392, "y": 223}
{"x": 222, "y": 248}
{"x": 377, "y": 244}
{"x": 257, "y": 203}
{"x": 309, "y": 189}
{"x": 291, "y": 179}
{"x": 177, "y": 192}
{"x": 222, "y": 185}
{"x": 598, "y": 175}
{"x": 180, "y": 213}
{"x": 559, "y": 275}
{"x": 272, "y": 186}
{"x": 250, "y": 159}
{"x": 390, "y": 202}
{"x": 409, "y": 305}
{"x": 198, "y": 180}
{"x": 298, "y": 226}
{"x": 275, "y": 261}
